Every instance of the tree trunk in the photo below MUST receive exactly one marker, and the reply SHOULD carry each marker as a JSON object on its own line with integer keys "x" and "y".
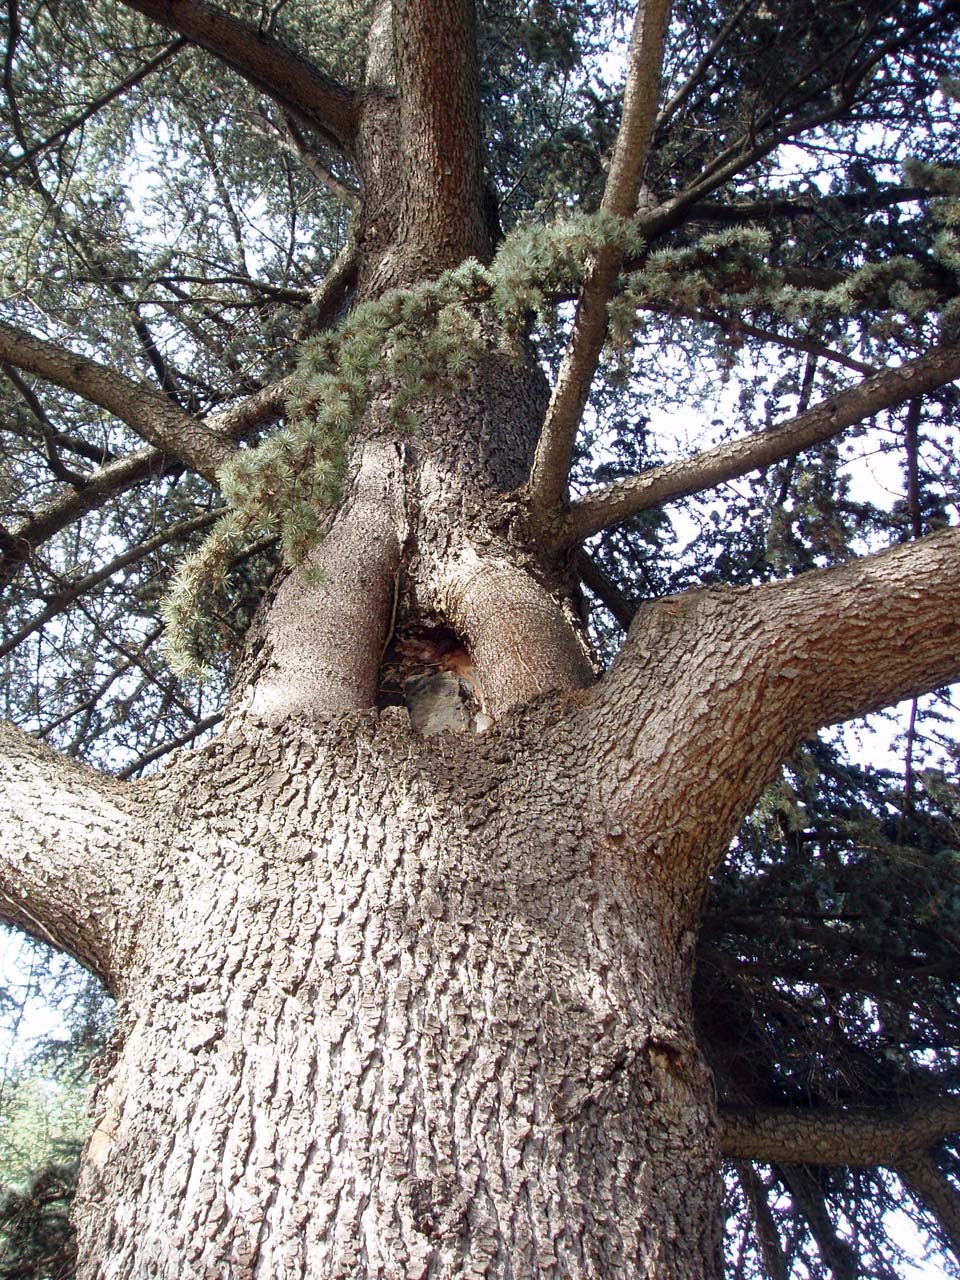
{"x": 394, "y": 1003}
{"x": 398, "y": 1009}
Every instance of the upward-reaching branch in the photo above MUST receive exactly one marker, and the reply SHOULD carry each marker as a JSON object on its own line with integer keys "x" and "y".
{"x": 624, "y": 498}
{"x": 262, "y": 60}
{"x": 551, "y": 464}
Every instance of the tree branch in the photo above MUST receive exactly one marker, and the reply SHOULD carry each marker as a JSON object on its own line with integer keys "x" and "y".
{"x": 714, "y": 688}
{"x": 609, "y": 595}
{"x": 71, "y": 848}
{"x": 806, "y": 1191}
{"x": 263, "y": 61}
{"x": 293, "y": 141}
{"x": 885, "y": 390}
{"x": 754, "y": 211}
{"x": 860, "y": 1138}
{"x": 867, "y": 634}
{"x": 936, "y": 1193}
{"x": 252, "y": 412}
{"x": 107, "y": 482}
{"x": 551, "y": 464}
{"x": 73, "y": 590}
{"x": 765, "y": 1228}
{"x": 677, "y": 99}
{"x": 151, "y": 415}
{"x": 75, "y": 122}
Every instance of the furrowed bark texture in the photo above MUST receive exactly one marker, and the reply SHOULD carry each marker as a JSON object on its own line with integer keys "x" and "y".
{"x": 401, "y": 1006}
{"x": 396, "y": 1011}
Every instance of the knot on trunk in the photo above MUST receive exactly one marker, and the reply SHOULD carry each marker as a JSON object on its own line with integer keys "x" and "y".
{"x": 436, "y": 1206}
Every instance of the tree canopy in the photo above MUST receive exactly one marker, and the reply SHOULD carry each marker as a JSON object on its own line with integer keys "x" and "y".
{"x": 779, "y": 320}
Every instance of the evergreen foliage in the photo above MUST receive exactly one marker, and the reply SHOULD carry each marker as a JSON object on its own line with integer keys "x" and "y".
{"x": 413, "y": 344}
{"x": 36, "y": 1238}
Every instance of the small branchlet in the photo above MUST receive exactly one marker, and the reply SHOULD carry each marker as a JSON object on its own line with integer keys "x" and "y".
{"x": 731, "y": 272}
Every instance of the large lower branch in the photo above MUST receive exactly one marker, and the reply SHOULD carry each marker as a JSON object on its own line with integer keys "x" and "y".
{"x": 827, "y": 1135}
{"x": 263, "y": 61}
{"x": 625, "y": 498}
{"x": 149, "y": 413}
{"x": 714, "y": 688}
{"x": 861, "y": 637}
{"x": 71, "y": 851}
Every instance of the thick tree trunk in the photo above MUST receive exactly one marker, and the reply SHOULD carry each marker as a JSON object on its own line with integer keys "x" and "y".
{"x": 397, "y": 1005}
{"x": 398, "y": 1010}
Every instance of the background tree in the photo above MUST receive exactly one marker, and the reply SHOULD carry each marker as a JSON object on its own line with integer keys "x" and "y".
{"x": 398, "y": 1003}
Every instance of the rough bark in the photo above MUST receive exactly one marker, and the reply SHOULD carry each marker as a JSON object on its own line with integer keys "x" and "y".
{"x": 396, "y": 1010}
{"x": 856, "y": 1137}
{"x": 398, "y": 1005}
{"x": 70, "y": 840}
{"x": 442, "y": 218}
